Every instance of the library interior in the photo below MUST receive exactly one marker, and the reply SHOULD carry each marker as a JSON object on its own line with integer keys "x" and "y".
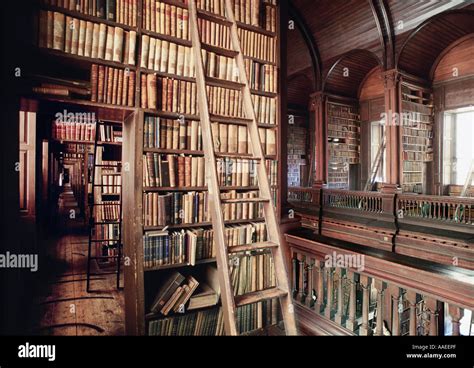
{"x": 238, "y": 167}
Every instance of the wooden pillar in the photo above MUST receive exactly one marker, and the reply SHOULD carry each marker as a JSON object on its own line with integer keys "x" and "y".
{"x": 340, "y": 297}
{"x": 432, "y": 306}
{"x": 456, "y": 314}
{"x": 329, "y": 287}
{"x": 320, "y": 290}
{"x": 300, "y": 294}
{"x": 294, "y": 274}
{"x": 392, "y": 92}
{"x": 394, "y": 292}
{"x": 364, "y": 328}
{"x": 317, "y": 107}
{"x": 411, "y": 297}
{"x": 309, "y": 294}
{"x": 351, "y": 323}
{"x": 379, "y": 286}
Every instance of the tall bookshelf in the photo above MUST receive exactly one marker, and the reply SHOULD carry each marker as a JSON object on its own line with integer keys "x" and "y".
{"x": 343, "y": 121}
{"x": 118, "y": 73}
{"x": 417, "y": 136}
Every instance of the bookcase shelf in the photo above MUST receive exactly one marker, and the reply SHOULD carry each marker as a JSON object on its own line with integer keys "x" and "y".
{"x": 179, "y": 265}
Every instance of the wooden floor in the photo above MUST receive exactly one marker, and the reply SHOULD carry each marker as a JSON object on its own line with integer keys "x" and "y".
{"x": 64, "y": 307}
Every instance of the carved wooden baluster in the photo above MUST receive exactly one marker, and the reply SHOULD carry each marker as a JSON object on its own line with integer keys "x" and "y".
{"x": 300, "y": 294}
{"x": 411, "y": 297}
{"x": 340, "y": 297}
{"x": 456, "y": 314}
{"x": 309, "y": 297}
{"x": 329, "y": 287}
{"x": 380, "y": 287}
{"x": 431, "y": 304}
{"x": 295, "y": 273}
{"x": 320, "y": 290}
{"x": 395, "y": 294}
{"x": 351, "y": 323}
{"x": 364, "y": 328}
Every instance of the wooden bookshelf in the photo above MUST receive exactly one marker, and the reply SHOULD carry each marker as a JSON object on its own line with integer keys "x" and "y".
{"x": 417, "y": 136}
{"x": 135, "y": 115}
{"x": 343, "y": 124}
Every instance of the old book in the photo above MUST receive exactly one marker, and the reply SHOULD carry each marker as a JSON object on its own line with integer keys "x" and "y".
{"x": 109, "y": 43}
{"x": 94, "y": 81}
{"x": 223, "y": 134}
{"x": 100, "y": 83}
{"x": 145, "y": 48}
{"x": 102, "y": 40}
{"x": 243, "y": 139}
{"x": 143, "y": 89}
{"x": 118, "y": 44}
{"x": 82, "y": 37}
{"x": 192, "y": 285}
{"x": 157, "y": 57}
{"x": 75, "y": 36}
{"x": 164, "y": 56}
{"x": 58, "y": 31}
{"x": 180, "y": 60}
{"x": 120, "y": 87}
{"x": 172, "y": 58}
{"x": 151, "y": 90}
{"x": 166, "y": 291}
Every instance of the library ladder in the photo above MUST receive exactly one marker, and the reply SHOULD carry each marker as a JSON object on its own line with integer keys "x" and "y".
{"x": 94, "y": 204}
{"x": 281, "y": 291}
{"x": 375, "y": 167}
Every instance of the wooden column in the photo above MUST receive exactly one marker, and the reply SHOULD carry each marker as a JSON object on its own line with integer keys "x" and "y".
{"x": 320, "y": 290}
{"x": 364, "y": 328}
{"x": 317, "y": 108}
{"x": 379, "y": 286}
{"x": 432, "y": 306}
{"x": 309, "y": 293}
{"x": 394, "y": 292}
{"x": 351, "y": 323}
{"x": 392, "y": 92}
{"x": 329, "y": 287}
{"x": 300, "y": 294}
{"x": 411, "y": 297}
{"x": 456, "y": 314}
{"x": 340, "y": 297}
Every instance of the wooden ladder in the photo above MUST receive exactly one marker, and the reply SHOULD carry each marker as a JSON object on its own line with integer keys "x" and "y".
{"x": 375, "y": 167}
{"x": 281, "y": 291}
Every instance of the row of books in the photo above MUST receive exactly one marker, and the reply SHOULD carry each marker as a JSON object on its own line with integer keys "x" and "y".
{"x": 415, "y": 147}
{"x": 112, "y": 85}
{"x": 111, "y": 184}
{"x": 168, "y": 94}
{"x": 420, "y": 141}
{"x": 110, "y": 133}
{"x": 262, "y": 77}
{"x": 219, "y": 66}
{"x": 79, "y": 37}
{"x": 175, "y": 208}
{"x": 422, "y": 130}
{"x": 109, "y": 233}
{"x": 257, "y": 45}
{"x": 73, "y": 131}
{"x": 214, "y": 34}
{"x": 192, "y": 208}
{"x": 257, "y": 13}
{"x": 412, "y": 187}
{"x": 208, "y": 322}
{"x": 412, "y": 166}
{"x": 174, "y": 171}
{"x": 166, "y": 19}
{"x": 167, "y": 57}
{"x": 120, "y": 11}
{"x": 172, "y": 134}
{"x": 343, "y": 111}
{"x": 224, "y": 101}
{"x": 252, "y": 271}
{"x": 412, "y": 177}
{"x": 265, "y": 109}
{"x": 107, "y": 211}
{"x": 236, "y": 172}
{"x": 413, "y": 156}
{"x": 342, "y": 126}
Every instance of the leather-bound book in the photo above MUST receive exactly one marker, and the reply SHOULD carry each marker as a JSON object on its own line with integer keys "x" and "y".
{"x": 115, "y": 86}
{"x": 75, "y": 36}
{"x": 151, "y": 90}
{"x": 143, "y": 89}
{"x": 94, "y": 82}
{"x": 102, "y": 40}
{"x": 110, "y": 84}
{"x": 100, "y": 83}
{"x": 88, "y": 40}
{"x": 59, "y": 20}
{"x": 150, "y": 62}
{"x": 118, "y": 44}
{"x": 82, "y": 37}
{"x": 181, "y": 171}
{"x": 126, "y": 75}
{"x": 187, "y": 171}
{"x": 119, "y": 87}
{"x": 164, "y": 56}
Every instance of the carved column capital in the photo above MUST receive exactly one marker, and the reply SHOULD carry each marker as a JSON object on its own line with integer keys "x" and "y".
{"x": 316, "y": 99}
{"x": 391, "y": 78}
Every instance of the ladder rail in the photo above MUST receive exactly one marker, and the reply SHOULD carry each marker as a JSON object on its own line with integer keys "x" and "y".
{"x": 228, "y": 302}
{"x": 375, "y": 167}
{"x": 273, "y": 232}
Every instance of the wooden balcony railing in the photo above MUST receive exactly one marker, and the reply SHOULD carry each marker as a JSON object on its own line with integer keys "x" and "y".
{"x": 367, "y": 293}
{"x": 362, "y": 201}
{"x": 453, "y": 210}
{"x": 302, "y": 195}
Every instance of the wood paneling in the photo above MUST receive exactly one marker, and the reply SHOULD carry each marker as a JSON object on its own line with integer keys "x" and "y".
{"x": 372, "y": 86}
{"x": 426, "y": 43}
{"x": 300, "y": 86}
{"x": 298, "y": 57}
{"x": 347, "y": 73}
{"x": 459, "y": 59}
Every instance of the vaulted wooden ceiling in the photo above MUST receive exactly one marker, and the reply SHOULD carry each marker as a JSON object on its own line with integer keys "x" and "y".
{"x": 383, "y": 29}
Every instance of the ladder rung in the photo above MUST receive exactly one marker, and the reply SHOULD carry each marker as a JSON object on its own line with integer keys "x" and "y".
{"x": 242, "y": 156}
{"x": 245, "y": 200}
{"x": 253, "y": 246}
{"x": 229, "y": 120}
{"x": 216, "y": 82}
{"x": 259, "y": 296}
{"x": 219, "y": 50}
